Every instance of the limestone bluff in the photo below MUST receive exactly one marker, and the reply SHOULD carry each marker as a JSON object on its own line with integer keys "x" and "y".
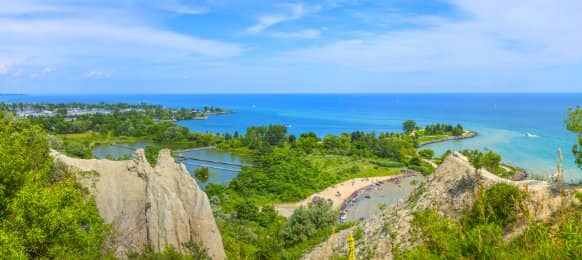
{"x": 147, "y": 206}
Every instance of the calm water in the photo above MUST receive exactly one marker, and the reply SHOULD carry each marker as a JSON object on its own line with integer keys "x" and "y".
{"x": 117, "y": 152}
{"x": 501, "y": 119}
{"x": 216, "y": 175}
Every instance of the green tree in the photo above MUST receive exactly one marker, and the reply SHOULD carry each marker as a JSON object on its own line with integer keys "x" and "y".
{"x": 246, "y": 210}
{"x": 408, "y": 126}
{"x": 151, "y": 153}
{"x": 57, "y": 222}
{"x": 202, "y": 174}
{"x": 458, "y": 130}
{"x": 306, "y": 221}
{"x": 426, "y": 153}
{"x": 23, "y": 157}
{"x": 574, "y": 124}
{"x": 275, "y": 134}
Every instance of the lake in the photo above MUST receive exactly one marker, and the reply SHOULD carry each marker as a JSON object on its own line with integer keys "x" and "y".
{"x": 502, "y": 120}
{"x": 216, "y": 175}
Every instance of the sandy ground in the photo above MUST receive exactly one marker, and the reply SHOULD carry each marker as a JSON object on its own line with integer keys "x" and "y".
{"x": 345, "y": 190}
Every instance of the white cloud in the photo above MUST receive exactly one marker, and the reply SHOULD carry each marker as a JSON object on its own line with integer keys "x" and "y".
{"x": 294, "y": 11}
{"x": 3, "y": 69}
{"x": 97, "y": 74}
{"x": 70, "y": 31}
{"x": 45, "y": 71}
{"x": 96, "y": 33}
{"x": 521, "y": 34}
{"x": 304, "y": 34}
{"x": 182, "y": 8}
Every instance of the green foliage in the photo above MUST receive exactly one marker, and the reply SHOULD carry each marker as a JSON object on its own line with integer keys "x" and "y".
{"x": 202, "y": 174}
{"x": 558, "y": 238}
{"x": 286, "y": 174}
{"x": 151, "y": 153}
{"x": 442, "y": 129}
{"x": 358, "y": 233}
{"x": 417, "y": 164}
{"x": 426, "y": 153}
{"x": 77, "y": 149}
{"x": 490, "y": 161}
{"x": 57, "y": 221}
{"x": 499, "y": 205}
{"x": 246, "y": 210}
{"x": 446, "y": 239}
{"x": 408, "y": 126}
{"x": 574, "y": 124}
{"x": 193, "y": 251}
{"x": 306, "y": 221}
{"x": 44, "y": 213}
{"x": 23, "y": 158}
{"x": 260, "y": 137}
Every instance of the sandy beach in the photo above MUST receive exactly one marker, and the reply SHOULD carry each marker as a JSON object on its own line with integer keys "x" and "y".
{"x": 345, "y": 189}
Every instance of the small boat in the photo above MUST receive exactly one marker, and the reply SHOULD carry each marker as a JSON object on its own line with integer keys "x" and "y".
{"x": 528, "y": 134}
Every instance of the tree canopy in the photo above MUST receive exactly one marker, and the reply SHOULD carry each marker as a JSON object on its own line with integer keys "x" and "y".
{"x": 574, "y": 124}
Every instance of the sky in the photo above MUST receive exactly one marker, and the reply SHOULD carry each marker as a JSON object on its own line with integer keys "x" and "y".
{"x": 256, "y": 46}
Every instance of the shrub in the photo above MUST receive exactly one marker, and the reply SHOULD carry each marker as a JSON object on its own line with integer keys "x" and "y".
{"x": 499, "y": 205}
{"x": 202, "y": 174}
{"x": 426, "y": 153}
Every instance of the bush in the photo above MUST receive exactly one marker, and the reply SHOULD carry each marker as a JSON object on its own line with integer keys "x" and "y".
{"x": 202, "y": 174}
{"x": 305, "y": 222}
{"x": 246, "y": 211}
{"x": 426, "y": 153}
{"x": 151, "y": 153}
{"x": 499, "y": 205}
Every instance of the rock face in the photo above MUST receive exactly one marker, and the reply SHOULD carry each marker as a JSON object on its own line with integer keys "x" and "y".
{"x": 450, "y": 191}
{"x": 156, "y": 207}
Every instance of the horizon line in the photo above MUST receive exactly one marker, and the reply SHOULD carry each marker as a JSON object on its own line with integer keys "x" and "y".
{"x": 281, "y": 93}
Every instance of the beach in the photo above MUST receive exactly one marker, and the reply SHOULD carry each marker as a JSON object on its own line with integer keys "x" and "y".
{"x": 345, "y": 190}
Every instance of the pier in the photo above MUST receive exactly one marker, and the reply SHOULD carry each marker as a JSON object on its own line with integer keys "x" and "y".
{"x": 212, "y": 167}
{"x": 123, "y": 146}
{"x": 181, "y": 158}
{"x": 196, "y": 149}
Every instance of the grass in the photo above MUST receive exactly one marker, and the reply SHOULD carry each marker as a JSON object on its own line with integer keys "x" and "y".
{"x": 430, "y": 138}
{"x": 337, "y": 164}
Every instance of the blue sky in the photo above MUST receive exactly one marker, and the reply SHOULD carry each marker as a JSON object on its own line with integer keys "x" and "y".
{"x": 253, "y": 46}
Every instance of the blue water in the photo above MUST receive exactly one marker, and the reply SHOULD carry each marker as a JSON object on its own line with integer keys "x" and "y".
{"x": 216, "y": 175}
{"x": 501, "y": 119}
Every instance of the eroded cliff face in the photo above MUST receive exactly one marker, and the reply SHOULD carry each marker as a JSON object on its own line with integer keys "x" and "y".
{"x": 159, "y": 207}
{"x": 450, "y": 190}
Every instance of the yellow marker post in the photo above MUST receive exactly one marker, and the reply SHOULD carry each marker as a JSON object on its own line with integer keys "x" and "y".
{"x": 351, "y": 248}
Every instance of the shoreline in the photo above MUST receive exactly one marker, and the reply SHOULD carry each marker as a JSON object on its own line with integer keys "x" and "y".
{"x": 468, "y": 135}
{"x": 344, "y": 188}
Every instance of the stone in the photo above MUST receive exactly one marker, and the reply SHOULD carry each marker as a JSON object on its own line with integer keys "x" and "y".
{"x": 156, "y": 207}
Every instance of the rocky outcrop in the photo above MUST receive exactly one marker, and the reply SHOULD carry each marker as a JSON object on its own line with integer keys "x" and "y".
{"x": 450, "y": 191}
{"x": 156, "y": 207}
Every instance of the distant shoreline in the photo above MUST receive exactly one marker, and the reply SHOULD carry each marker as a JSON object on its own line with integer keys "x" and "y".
{"x": 466, "y": 135}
